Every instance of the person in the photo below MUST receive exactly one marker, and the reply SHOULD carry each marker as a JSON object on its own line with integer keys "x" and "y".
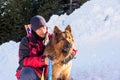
{"x": 32, "y": 63}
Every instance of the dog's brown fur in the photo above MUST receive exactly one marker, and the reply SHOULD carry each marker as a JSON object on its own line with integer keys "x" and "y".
{"x": 60, "y": 47}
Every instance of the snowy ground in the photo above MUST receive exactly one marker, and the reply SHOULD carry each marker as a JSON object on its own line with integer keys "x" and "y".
{"x": 96, "y": 30}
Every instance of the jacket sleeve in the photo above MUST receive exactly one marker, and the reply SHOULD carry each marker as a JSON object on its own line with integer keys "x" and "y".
{"x": 24, "y": 55}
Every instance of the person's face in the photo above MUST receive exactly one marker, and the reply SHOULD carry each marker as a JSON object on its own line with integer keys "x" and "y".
{"x": 41, "y": 31}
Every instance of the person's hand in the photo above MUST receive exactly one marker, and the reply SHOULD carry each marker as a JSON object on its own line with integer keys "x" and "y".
{"x": 46, "y": 60}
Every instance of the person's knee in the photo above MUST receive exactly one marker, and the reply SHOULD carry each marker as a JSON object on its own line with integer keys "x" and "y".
{"x": 27, "y": 71}
{"x": 28, "y": 74}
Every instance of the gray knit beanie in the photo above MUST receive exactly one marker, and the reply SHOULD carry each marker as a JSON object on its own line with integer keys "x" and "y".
{"x": 37, "y": 22}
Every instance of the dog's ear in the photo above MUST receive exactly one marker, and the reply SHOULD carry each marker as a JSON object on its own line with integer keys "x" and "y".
{"x": 57, "y": 30}
{"x": 68, "y": 28}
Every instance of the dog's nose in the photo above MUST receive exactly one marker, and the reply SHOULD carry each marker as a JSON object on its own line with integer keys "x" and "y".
{"x": 69, "y": 45}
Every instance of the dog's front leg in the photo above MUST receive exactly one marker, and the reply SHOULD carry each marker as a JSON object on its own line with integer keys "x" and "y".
{"x": 66, "y": 74}
{"x": 66, "y": 77}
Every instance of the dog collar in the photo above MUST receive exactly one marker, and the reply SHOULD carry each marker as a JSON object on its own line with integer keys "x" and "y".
{"x": 66, "y": 60}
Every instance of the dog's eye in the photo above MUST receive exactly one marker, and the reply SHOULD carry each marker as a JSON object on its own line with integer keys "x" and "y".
{"x": 69, "y": 37}
{"x": 60, "y": 39}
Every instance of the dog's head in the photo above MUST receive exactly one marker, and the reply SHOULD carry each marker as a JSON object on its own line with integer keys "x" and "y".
{"x": 63, "y": 42}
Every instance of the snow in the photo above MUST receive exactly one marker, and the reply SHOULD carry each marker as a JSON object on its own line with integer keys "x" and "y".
{"x": 96, "y": 30}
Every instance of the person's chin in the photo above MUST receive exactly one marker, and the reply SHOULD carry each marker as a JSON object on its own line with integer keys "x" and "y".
{"x": 43, "y": 36}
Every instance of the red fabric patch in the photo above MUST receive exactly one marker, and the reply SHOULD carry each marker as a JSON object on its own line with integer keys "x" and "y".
{"x": 18, "y": 74}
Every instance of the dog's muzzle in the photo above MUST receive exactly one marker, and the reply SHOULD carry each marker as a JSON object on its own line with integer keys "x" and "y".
{"x": 66, "y": 48}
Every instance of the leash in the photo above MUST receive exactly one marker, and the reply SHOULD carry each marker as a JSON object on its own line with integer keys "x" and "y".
{"x": 50, "y": 70}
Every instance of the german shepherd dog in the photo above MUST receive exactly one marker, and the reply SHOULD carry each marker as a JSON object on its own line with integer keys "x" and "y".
{"x": 60, "y": 48}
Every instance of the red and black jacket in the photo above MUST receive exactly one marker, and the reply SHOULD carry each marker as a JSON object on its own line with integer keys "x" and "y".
{"x": 30, "y": 54}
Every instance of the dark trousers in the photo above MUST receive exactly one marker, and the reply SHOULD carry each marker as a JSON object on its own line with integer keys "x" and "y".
{"x": 28, "y": 73}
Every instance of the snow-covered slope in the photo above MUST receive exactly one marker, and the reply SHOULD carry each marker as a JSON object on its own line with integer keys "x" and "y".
{"x": 96, "y": 30}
